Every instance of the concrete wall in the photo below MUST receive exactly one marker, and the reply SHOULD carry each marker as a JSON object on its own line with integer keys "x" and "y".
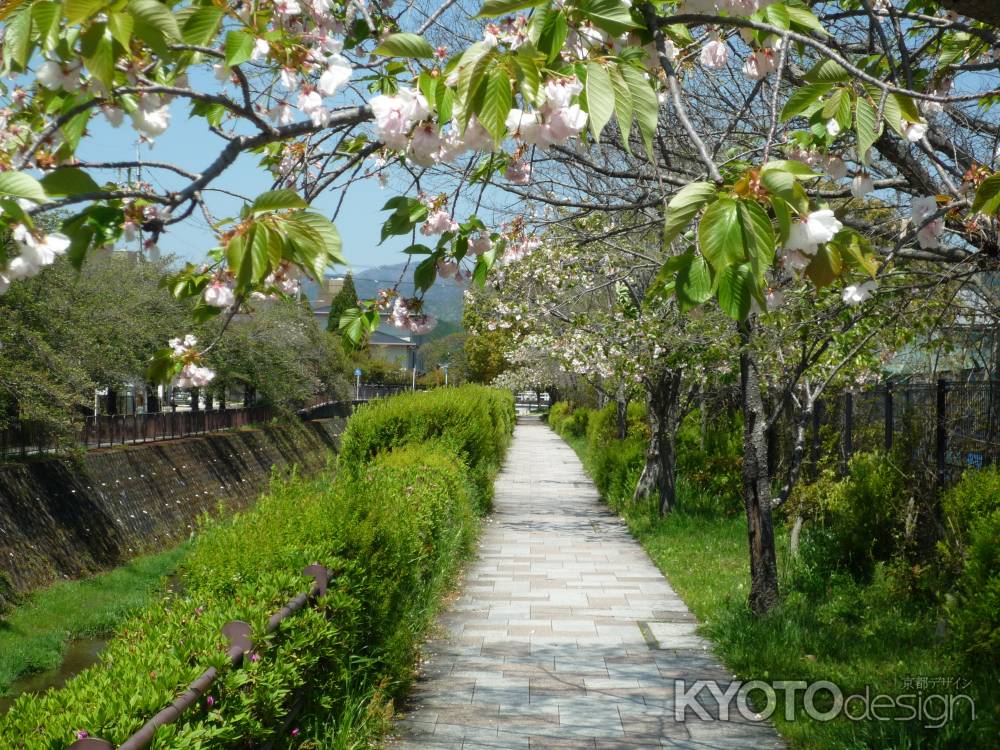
{"x": 64, "y": 518}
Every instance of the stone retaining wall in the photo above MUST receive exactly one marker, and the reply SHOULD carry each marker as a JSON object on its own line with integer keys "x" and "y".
{"x": 65, "y": 518}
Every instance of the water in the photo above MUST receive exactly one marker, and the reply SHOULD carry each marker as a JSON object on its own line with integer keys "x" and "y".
{"x": 80, "y": 654}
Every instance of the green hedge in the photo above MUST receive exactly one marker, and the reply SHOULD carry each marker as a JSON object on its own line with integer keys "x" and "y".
{"x": 474, "y": 421}
{"x": 392, "y": 529}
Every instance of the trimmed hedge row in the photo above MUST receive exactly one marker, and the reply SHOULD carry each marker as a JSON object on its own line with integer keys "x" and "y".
{"x": 391, "y": 524}
{"x": 474, "y": 421}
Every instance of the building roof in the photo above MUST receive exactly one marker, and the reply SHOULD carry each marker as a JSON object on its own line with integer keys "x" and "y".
{"x": 383, "y": 338}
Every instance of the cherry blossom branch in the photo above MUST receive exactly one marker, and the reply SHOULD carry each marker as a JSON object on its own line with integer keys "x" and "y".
{"x": 829, "y": 52}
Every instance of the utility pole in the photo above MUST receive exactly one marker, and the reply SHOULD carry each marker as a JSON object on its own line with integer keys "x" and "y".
{"x": 445, "y": 368}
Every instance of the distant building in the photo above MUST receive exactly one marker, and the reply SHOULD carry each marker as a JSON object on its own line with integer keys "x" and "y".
{"x": 394, "y": 346}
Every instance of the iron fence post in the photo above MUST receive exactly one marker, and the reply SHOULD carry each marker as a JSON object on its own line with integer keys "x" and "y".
{"x": 848, "y": 436}
{"x": 889, "y": 423}
{"x": 941, "y": 430}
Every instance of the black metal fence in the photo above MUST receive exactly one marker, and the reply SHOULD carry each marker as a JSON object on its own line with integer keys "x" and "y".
{"x": 104, "y": 430}
{"x": 943, "y": 427}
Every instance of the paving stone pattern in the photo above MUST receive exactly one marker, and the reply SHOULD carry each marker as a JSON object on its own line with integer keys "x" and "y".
{"x": 565, "y": 635}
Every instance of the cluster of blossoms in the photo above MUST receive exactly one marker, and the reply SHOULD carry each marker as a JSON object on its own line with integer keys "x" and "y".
{"x": 855, "y": 294}
{"x": 405, "y": 314}
{"x": 806, "y": 235}
{"x": 438, "y": 222}
{"x": 519, "y": 241}
{"x": 36, "y": 251}
{"x": 513, "y": 32}
{"x": 398, "y": 114}
{"x": 402, "y": 123}
{"x": 928, "y": 232}
{"x": 219, "y": 292}
{"x": 191, "y": 375}
{"x": 832, "y": 164}
{"x": 284, "y": 278}
{"x": 556, "y": 122}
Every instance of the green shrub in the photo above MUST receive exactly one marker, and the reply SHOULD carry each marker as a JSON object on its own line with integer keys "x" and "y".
{"x": 557, "y": 415}
{"x": 712, "y": 470}
{"x": 615, "y": 466}
{"x": 974, "y": 614}
{"x": 474, "y": 421}
{"x": 575, "y": 425}
{"x": 392, "y": 529}
{"x": 973, "y": 498}
{"x": 855, "y": 522}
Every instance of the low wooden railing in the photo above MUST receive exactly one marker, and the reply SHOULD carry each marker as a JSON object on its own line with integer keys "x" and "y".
{"x": 237, "y": 633}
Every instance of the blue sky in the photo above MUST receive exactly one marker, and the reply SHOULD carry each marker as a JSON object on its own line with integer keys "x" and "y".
{"x": 189, "y": 144}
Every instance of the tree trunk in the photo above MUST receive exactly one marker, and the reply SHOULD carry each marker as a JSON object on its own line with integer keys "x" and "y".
{"x": 756, "y": 482}
{"x": 621, "y": 413}
{"x": 659, "y": 474}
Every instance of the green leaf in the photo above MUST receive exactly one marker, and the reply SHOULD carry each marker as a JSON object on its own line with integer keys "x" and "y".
{"x": 120, "y": 25}
{"x": 694, "y": 281}
{"x": 777, "y": 15}
{"x": 405, "y": 44}
{"x": 610, "y": 15}
{"x": 987, "y": 198}
{"x": 47, "y": 17}
{"x": 418, "y": 250}
{"x": 600, "y": 98}
{"x": 864, "y": 124}
{"x": 623, "y": 106}
{"x": 907, "y": 107}
{"x": 784, "y": 217}
{"x": 735, "y": 290}
{"x": 793, "y": 166}
{"x": 778, "y": 182}
{"x": 69, "y": 181}
{"x": 17, "y": 39}
{"x": 832, "y": 105}
{"x": 857, "y": 249}
{"x": 827, "y": 71}
{"x": 425, "y": 273}
{"x": 20, "y": 185}
{"x": 803, "y": 20}
{"x": 327, "y": 231}
{"x": 683, "y": 207}
{"x": 528, "y": 75}
{"x": 277, "y": 200}
{"x": 472, "y": 66}
{"x": 239, "y": 47}
{"x": 720, "y": 235}
{"x": 825, "y": 266}
{"x": 81, "y": 10}
{"x": 201, "y": 26}
{"x": 802, "y": 99}
{"x": 496, "y": 103}
{"x": 495, "y": 8}
{"x": 552, "y": 30}
{"x": 234, "y": 254}
{"x": 758, "y": 235}
{"x": 645, "y": 105}
{"x": 156, "y": 15}
{"x": 101, "y": 61}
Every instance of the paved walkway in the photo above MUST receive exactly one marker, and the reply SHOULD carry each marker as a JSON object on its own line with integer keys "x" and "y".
{"x": 565, "y": 634}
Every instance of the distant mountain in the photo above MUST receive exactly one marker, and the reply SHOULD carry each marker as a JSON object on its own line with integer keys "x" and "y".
{"x": 444, "y": 300}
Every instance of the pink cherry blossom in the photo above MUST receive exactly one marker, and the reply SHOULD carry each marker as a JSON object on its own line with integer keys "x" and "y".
{"x": 438, "y": 222}
{"x": 714, "y": 55}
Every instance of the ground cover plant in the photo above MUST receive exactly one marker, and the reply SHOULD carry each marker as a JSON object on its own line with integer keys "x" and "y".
{"x": 34, "y": 634}
{"x": 393, "y": 531}
{"x": 861, "y": 607}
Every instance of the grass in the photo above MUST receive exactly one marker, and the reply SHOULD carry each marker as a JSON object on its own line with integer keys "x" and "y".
{"x": 33, "y": 636}
{"x": 827, "y": 627}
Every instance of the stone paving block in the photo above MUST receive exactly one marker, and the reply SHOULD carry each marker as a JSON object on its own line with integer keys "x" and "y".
{"x": 543, "y": 648}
